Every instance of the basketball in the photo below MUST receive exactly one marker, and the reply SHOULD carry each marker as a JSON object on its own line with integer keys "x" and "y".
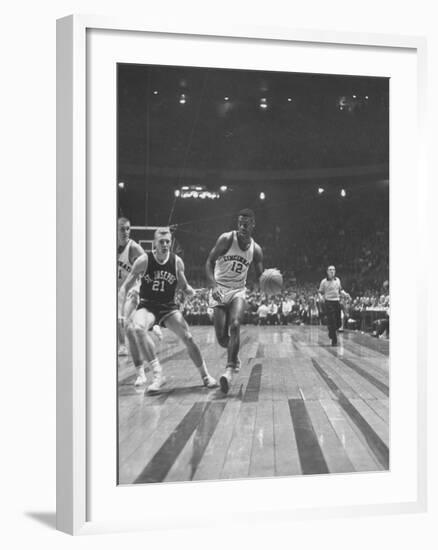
{"x": 271, "y": 281}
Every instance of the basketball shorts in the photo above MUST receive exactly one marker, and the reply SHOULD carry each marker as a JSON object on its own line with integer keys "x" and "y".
{"x": 160, "y": 311}
{"x": 228, "y": 295}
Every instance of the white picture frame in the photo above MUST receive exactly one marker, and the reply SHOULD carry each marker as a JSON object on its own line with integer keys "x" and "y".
{"x": 76, "y": 206}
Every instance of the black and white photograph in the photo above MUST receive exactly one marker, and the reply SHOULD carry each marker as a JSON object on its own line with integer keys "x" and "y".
{"x": 253, "y": 274}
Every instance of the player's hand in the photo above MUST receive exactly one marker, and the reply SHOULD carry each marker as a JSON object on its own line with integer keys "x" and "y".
{"x": 190, "y": 291}
{"x": 217, "y": 294}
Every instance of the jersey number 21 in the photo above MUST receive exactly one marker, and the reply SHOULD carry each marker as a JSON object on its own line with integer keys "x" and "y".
{"x": 158, "y": 286}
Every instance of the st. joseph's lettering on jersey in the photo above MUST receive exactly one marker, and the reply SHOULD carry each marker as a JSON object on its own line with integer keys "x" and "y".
{"x": 160, "y": 276}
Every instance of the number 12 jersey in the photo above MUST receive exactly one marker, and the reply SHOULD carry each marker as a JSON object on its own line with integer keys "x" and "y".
{"x": 231, "y": 269}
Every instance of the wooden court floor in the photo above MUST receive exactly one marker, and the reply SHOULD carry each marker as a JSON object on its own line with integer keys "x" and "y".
{"x": 297, "y": 406}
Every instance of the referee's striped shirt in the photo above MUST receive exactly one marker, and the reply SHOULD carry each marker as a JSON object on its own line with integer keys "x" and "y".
{"x": 330, "y": 289}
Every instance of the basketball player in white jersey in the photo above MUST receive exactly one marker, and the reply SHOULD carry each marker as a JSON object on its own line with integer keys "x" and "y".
{"x": 161, "y": 272}
{"x": 128, "y": 251}
{"x": 227, "y": 268}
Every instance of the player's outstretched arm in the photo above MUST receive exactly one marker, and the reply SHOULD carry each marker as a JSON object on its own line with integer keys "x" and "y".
{"x": 139, "y": 267}
{"x": 258, "y": 260}
{"x": 182, "y": 280}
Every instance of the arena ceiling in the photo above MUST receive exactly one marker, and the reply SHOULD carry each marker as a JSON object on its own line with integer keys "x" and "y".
{"x": 177, "y": 125}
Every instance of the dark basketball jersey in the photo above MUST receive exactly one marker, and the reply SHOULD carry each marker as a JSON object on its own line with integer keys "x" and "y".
{"x": 158, "y": 284}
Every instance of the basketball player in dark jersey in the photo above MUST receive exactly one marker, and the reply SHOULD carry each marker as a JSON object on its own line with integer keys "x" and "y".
{"x": 161, "y": 272}
{"x": 226, "y": 269}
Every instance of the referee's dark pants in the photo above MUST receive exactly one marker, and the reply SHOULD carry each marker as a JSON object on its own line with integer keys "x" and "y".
{"x": 333, "y": 312}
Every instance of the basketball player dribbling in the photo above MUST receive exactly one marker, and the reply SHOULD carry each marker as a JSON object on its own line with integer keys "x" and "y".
{"x": 227, "y": 269}
{"x": 128, "y": 251}
{"x": 161, "y": 273}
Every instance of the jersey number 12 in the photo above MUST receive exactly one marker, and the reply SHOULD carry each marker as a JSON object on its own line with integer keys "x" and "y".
{"x": 237, "y": 267}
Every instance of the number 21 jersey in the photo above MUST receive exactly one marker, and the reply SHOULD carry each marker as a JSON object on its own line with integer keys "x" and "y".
{"x": 231, "y": 269}
{"x": 158, "y": 284}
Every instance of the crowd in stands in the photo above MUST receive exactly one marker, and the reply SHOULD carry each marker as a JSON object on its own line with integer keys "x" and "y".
{"x": 301, "y": 237}
{"x": 299, "y": 304}
{"x": 357, "y": 243}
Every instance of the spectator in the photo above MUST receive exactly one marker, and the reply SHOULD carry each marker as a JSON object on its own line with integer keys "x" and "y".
{"x": 286, "y": 309}
{"x": 262, "y": 313}
{"x": 273, "y": 318}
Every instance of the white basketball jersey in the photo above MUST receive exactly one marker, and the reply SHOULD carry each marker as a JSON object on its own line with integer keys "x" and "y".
{"x": 231, "y": 269}
{"x": 124, "y": 265}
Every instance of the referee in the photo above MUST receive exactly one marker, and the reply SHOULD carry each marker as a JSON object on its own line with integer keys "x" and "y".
{"x": 330, "y": 291}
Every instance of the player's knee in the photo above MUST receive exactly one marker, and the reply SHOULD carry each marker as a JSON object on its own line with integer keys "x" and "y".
{"x": 235, "y": 325}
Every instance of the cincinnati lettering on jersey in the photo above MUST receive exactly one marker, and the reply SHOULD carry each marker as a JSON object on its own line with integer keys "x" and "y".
{"x": 235, "y": 258}
{"x": 160, "y": 275}
{"x": 124, "y": 266}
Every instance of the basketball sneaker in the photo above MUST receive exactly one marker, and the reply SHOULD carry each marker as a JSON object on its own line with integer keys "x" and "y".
{"x": 123, "y": 351}
{"x": 209, "y": 381}
{"x": 141, "y": 377}
{"x": 158, "y": 382}
{"x": 225, "y": 379}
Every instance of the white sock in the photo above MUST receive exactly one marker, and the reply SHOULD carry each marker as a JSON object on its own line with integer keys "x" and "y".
{"x": 155, "y": 365}
{"x": 140, "y": 369}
